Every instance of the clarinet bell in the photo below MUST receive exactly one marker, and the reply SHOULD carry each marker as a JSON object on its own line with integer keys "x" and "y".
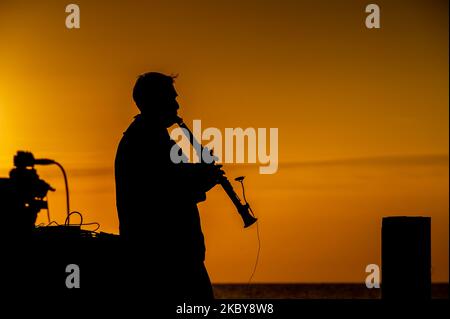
{"x": 247, "y": 218}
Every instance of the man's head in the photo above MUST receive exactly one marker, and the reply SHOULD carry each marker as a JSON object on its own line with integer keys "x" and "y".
{"x": 155, "y": 96}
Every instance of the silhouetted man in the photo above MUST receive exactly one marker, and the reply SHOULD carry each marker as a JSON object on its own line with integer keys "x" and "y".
{"x": 156, "y": 199}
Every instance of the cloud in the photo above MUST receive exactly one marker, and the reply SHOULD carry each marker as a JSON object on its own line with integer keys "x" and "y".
{"x": 393, "y": 160}
{"x": 91, "y": 172}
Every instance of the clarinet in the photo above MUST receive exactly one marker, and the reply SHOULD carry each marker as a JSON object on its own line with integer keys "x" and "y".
{"x": 243, "y": 209}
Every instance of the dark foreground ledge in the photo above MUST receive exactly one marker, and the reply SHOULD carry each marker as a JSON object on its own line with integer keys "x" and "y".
{"x": 309, "y": 291}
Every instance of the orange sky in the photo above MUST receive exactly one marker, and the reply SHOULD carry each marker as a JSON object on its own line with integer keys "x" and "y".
{"x": 362, "y": 117}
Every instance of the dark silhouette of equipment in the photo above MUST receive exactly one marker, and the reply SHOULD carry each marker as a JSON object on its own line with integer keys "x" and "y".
{"x": 243, "y": 209}
{"x": 406, "y": 258}
{"x": 23, "y": 194}
{"x": 35, "y": 256}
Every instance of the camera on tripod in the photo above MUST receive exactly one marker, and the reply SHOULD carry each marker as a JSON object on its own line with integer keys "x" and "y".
{"x": 23, "y": 194}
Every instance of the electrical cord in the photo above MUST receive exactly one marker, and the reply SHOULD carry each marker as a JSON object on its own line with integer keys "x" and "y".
{"x": 53, "y": 222}
{"x": 66, "y": 183}
{"x": 257, "y": 232}
{"x": 67, "y": 221}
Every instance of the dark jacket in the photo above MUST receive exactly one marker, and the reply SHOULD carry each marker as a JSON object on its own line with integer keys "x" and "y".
{"x": 156, "y": 199}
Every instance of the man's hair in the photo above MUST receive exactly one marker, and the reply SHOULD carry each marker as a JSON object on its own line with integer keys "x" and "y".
{"x": 150, "y": 86}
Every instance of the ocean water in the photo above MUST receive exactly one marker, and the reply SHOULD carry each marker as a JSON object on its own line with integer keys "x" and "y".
{"x": 308, "y": 291}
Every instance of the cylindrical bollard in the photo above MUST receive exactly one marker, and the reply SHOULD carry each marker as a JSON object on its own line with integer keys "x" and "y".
{"x": 406, "y": 257}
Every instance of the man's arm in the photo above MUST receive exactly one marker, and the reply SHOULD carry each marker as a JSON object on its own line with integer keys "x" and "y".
{"x": 196, "y": 179}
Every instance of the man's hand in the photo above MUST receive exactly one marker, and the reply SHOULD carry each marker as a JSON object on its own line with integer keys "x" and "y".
{"x": 208, "y": 175}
